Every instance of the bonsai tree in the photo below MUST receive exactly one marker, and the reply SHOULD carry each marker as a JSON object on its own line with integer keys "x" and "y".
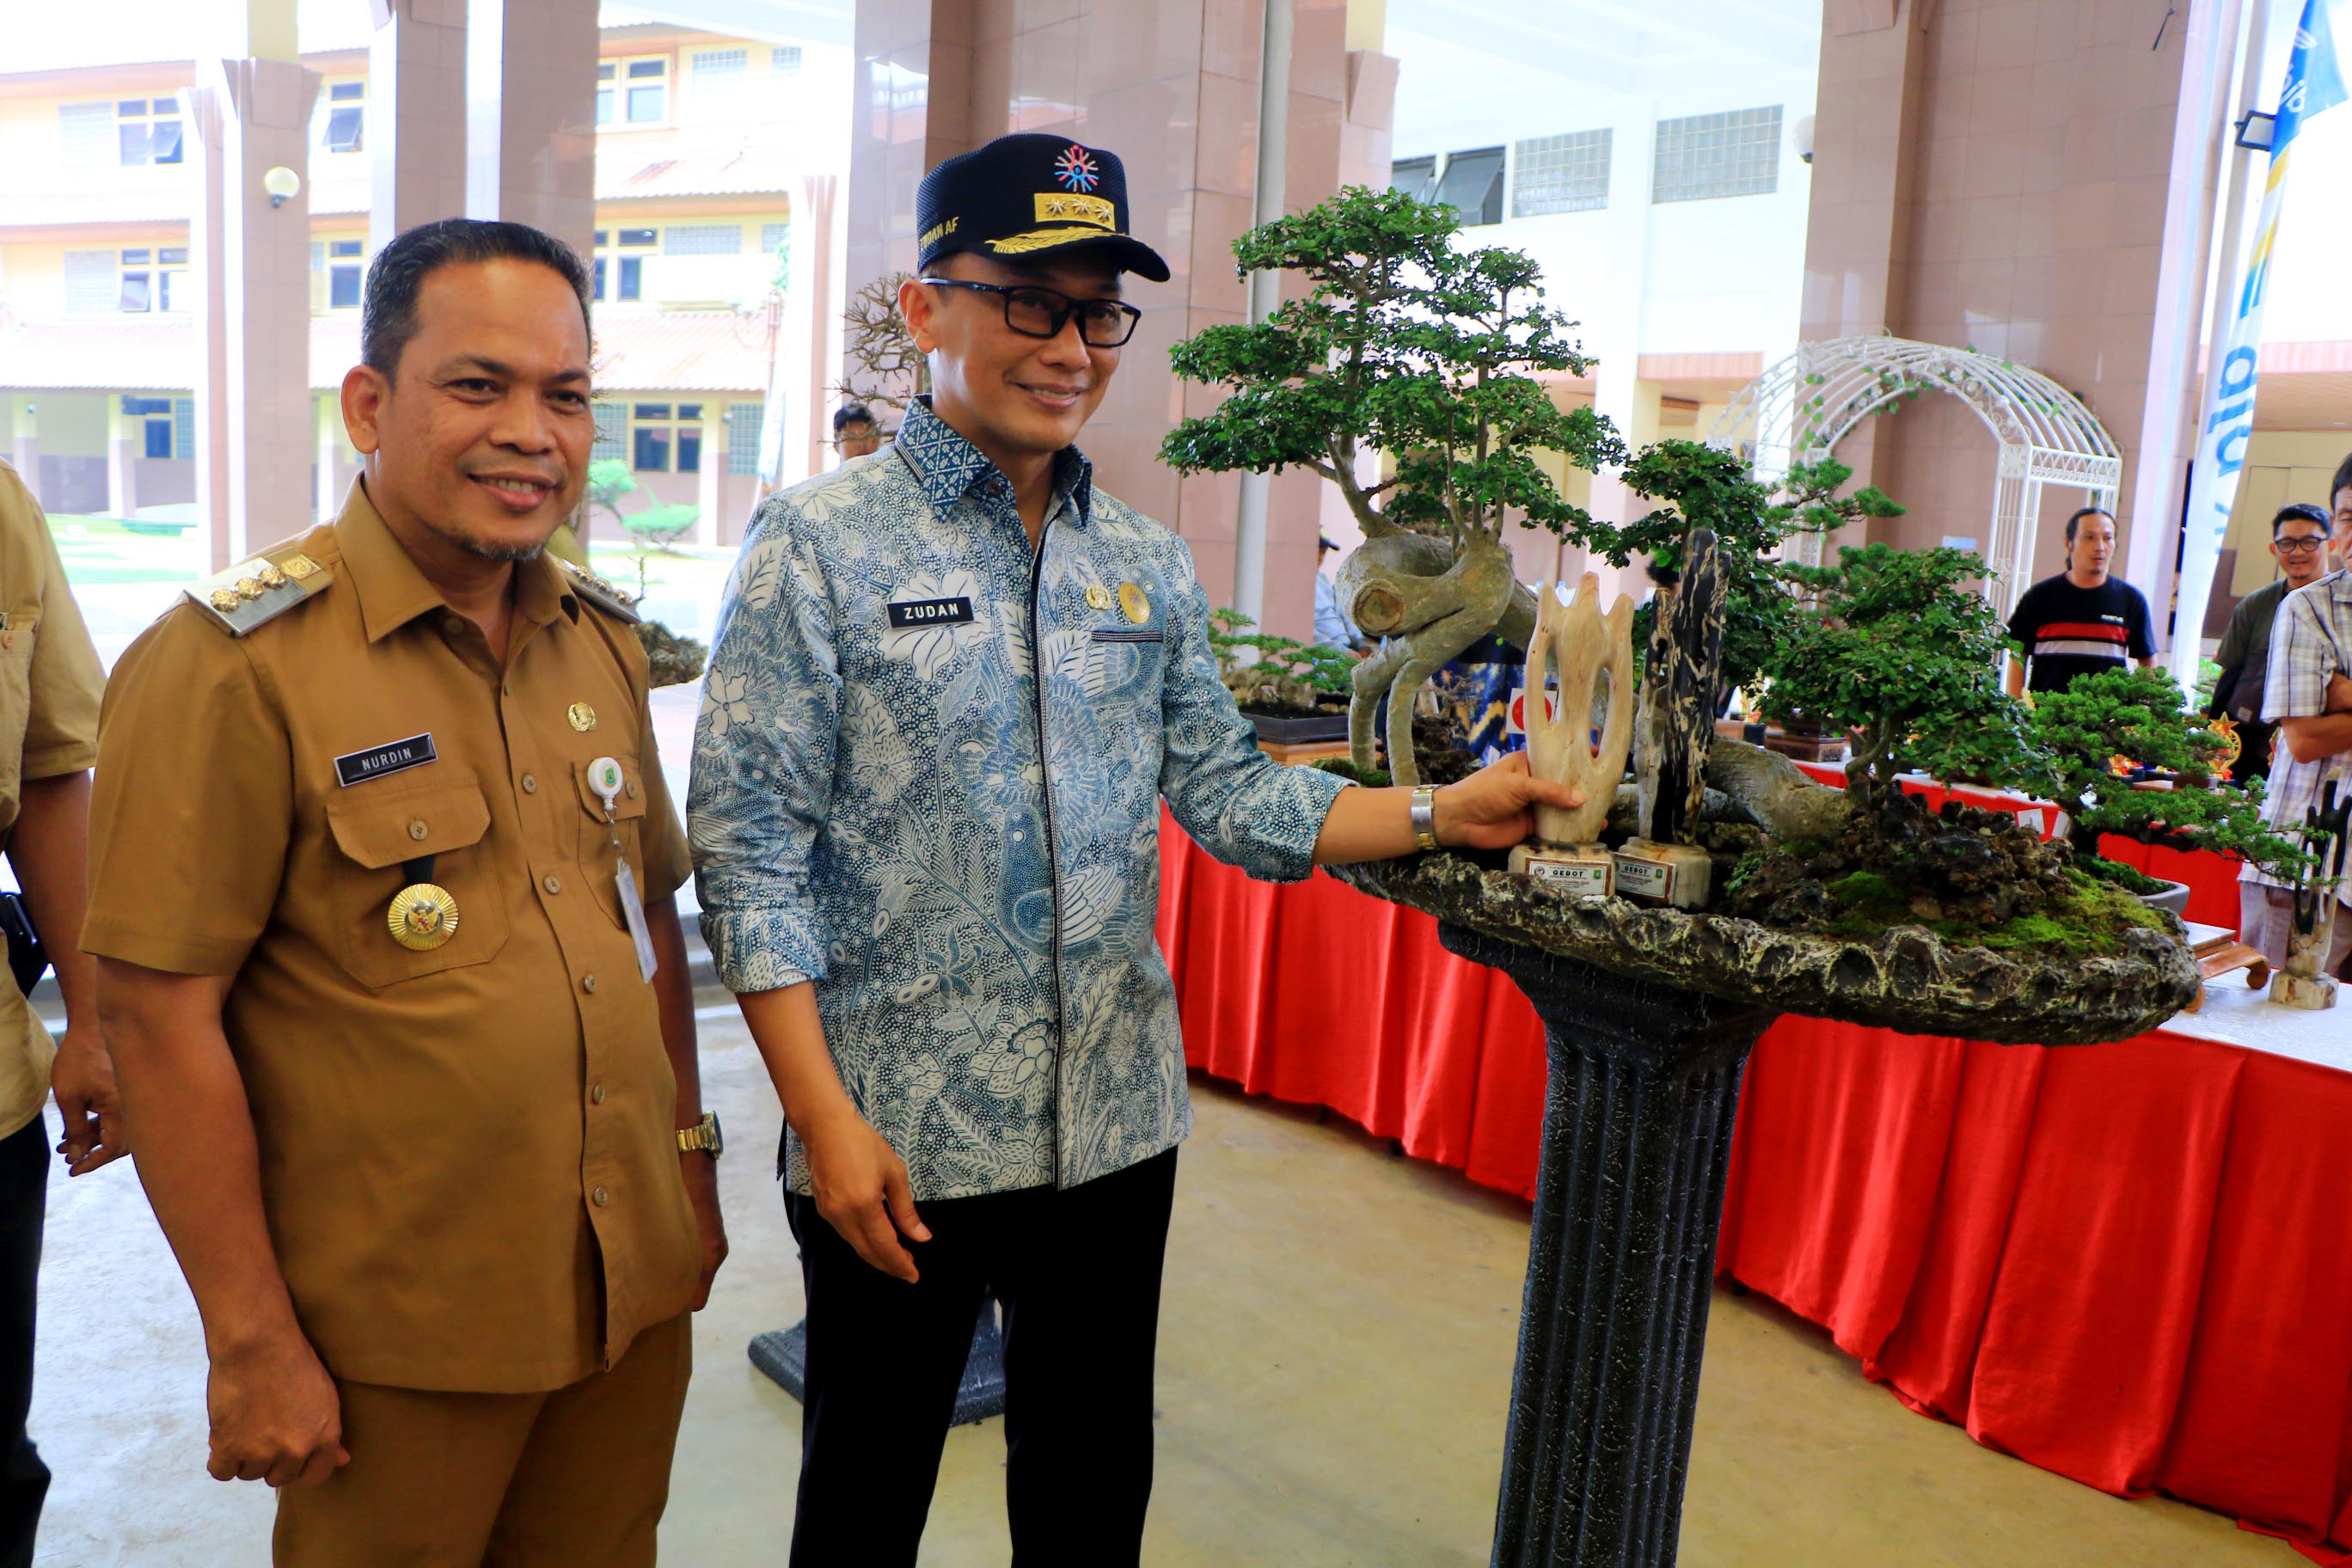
{"x": 1899, "y": 650}
{"x": 885, "y": 366}
{"x": 1407, "y": 346}
{"x": 1282, "y": 673}
{"x": 2137, "y": 715}
{"x": 608, "y": 481}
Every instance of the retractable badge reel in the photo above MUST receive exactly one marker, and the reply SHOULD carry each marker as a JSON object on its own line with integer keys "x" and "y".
{"x": 605, "y": 776}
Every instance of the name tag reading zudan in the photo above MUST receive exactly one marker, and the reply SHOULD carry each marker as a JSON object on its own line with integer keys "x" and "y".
{"x": 905, "y": 613}
{"x": 376, "y": 761}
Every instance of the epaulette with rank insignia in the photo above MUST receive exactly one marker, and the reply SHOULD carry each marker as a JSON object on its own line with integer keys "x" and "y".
{"x": 263, "y": 588}
{"x": 598, "y": 592}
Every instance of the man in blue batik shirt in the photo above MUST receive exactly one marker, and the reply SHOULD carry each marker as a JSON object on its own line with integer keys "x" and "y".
{"x": 950, "y": 686}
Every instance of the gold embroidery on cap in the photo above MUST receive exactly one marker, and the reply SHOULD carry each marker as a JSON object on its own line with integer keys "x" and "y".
{"x": 1040, "y": 239}
{"x": 1068, "y": 206}
{"x": 937, "y": 231}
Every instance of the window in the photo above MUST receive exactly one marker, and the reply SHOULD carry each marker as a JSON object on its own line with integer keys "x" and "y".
{"x": 345, "y": 271}
{"x": 784, "y": 60}
{"x": 623, "y": 275}
{"x": 648, "y": 86}
{"x": 86, "y": 134}
{"x": 606, "y": 73}
{"x": 92, "y": 282}
{"x": 142, "y": 278}
{"x": 1560, "y": 173}
{"x": 612, "y": 433}
{"x": 1472, "y": 185}
{"x": 743, "y": 420}
{"x": 170, "y": 270}
{"x": 637, "y": 236}
{"x": 1703, "y": 156}
{"x": 183, "y": 427}
{"x": 1416, "y": 177}
{"x": 154, "y": 416}
{"x": 632, "y": 279}
{"x": 346, "y": 117}
{"x": 656, "y": 433}
{"x": 147, "y": 131}
{"x": 774, "y": 237}
{"x": 703, "y": 239}
{"x": 716, "y": 65}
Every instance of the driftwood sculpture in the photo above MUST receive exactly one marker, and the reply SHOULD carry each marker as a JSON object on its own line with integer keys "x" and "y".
{"x": 1581, "y": 649}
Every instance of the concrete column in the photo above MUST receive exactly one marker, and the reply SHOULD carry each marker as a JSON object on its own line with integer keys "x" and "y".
{"x": 121, "y": 485}
{"x": 327, "y": 415}
{"x": 416, "y": 115}
{"x": 1611, "y": 332}
{"x": 714, "y": 467}
{"x": 808, "y": 350}
{"x": 531, "y": 115}
{"x": 25, "y": 441}
{"x": 251, "y": 266}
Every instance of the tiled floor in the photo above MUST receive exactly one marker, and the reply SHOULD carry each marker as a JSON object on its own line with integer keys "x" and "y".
{"x": 1334, "y": 1357}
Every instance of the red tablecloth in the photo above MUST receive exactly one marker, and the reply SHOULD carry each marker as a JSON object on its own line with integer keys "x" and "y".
{"x": 2124, "y": 1263}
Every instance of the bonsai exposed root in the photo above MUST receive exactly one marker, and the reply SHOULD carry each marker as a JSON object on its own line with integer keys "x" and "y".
{"x": 1775, "y": 792}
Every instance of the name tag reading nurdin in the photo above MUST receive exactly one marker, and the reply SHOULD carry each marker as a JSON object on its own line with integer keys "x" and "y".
{"x": 392, "y": 757}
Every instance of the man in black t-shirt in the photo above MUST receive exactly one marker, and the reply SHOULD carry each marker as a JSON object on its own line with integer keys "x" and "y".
{"x": 2080, "y": 621}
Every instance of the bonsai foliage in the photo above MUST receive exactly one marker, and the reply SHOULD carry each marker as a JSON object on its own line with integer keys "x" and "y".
{"x": 1284, "y": 672}
{"x": 608, "y": 481}
{"x": 1899, "y": 650}
{"x": 2138, "y": 714}
{"x": 885, "y": 366}
{"x": 1404, "y": 344}
{"x": 1704, "y": 487}
{"x": 1407, "y": 346}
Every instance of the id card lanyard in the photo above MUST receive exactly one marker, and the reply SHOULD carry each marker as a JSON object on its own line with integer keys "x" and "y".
{"x": 605, "y": 778}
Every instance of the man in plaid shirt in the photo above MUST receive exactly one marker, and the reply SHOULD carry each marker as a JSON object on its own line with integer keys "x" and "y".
{"x": 2309, "y": 696}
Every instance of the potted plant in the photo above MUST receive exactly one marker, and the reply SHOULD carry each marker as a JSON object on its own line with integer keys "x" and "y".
{"x": 673, "y": 659}
{"x": 2106, "y": 729}
{"x": 1402, "y": 346}
{"x": 1294, "y": 692}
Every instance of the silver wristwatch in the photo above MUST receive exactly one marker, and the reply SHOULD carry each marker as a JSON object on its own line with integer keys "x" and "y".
{"x": 1424, "y": 816}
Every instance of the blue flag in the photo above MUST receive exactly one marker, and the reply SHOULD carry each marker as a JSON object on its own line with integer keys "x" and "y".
{"x": 2315, "y": 74}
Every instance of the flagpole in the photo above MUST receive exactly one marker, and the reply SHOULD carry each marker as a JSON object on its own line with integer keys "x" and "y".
{"x": 2189, "y": 620}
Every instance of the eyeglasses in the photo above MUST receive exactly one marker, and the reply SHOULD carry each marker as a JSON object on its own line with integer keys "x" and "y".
{"x": 2304, "y": 546}
{"x": 1035, "y": 312}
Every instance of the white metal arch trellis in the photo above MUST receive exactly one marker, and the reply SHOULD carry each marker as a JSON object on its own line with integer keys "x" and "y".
{"x": 1801, "y": 408}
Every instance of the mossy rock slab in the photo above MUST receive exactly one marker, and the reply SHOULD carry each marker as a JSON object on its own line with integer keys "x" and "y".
{"x": 1905, "y": 977}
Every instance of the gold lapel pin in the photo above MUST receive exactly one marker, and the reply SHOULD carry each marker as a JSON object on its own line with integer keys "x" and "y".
{"x": 582, "y": 717}
{"x": 423, "y": 917}
{"x": 1134, "y": 603}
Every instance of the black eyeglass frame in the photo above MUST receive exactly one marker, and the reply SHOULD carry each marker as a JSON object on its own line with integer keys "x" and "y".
{"x": 2302, "y": 544}
{"x": 1061, "y": 313}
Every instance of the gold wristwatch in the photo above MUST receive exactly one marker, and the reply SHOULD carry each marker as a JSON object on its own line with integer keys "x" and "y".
{"x": 702, "y": 1136}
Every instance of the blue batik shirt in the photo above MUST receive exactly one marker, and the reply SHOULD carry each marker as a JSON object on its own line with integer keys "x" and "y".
{"x": 928, "y": 777}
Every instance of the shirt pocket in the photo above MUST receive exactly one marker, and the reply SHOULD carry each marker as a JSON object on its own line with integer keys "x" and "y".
{"x": 380, "y": 835}
{"x": 17, "y": 629}
{"x": 599, "y": 866}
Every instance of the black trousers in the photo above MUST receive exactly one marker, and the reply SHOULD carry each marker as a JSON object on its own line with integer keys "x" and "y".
{"x": 1078, "y": 1274}
{"x": 24, "y": 1192}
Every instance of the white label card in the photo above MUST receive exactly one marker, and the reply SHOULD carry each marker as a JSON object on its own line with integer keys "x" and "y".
{"x": 1579, "y": 876}
{"x": 1640, "y": 878}
{"x": 633, "y": 910}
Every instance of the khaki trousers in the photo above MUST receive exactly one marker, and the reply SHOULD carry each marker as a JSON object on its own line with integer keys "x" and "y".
{"x": 572, "y": 1479}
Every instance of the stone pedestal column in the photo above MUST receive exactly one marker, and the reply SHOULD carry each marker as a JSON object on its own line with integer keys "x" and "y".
{"x": 1636, "y": 1141}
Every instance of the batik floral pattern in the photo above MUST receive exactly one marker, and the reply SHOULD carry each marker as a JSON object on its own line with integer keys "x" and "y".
{"x": 953, "y": 829}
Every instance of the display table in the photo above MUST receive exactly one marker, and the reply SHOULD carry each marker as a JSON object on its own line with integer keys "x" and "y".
{"x": 2124, "y": 1263}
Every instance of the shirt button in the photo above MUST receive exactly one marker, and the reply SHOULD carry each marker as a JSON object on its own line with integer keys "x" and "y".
{"x": 588, "y": 983}
{"x": 597, "y": 1094}
{"x": 633, "y": 789}
{"x": 553, "y": 885}
{"x": 601, "y": 1197}
{"x": 417, "y": 829}
{"x": 530, "y": 783}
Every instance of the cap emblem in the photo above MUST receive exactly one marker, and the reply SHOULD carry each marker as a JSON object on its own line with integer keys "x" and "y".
{"x": 1059, "y": 206}
{"x": 1076, "y": 169}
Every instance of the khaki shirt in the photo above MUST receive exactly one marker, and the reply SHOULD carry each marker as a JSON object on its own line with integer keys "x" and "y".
{"x": 469, "y": 1158}
{"x": 50, "y": 687}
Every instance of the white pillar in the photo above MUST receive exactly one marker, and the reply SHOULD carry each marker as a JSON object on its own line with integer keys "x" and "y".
{"x": 122, "y": 492}
{"x": 251, "y": 263}
{"x": 706, "y": 481}
{"x": 1611, "y": 332}
{"x": 531, "y": 116}
{"x": 25, "y": 441}
{"x": 329, "y": 416}
{"x": 415, "y": 115}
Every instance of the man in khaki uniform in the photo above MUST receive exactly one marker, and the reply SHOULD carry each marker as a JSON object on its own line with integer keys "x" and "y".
{"x": 413, "y": 1062}
{"x": 50, "y": 687}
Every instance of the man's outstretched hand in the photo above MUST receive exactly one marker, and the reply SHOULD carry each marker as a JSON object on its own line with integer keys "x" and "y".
{"x": 1494, "y": 808}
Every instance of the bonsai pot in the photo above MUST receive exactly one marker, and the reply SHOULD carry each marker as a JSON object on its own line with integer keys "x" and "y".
{"x": 2173, "y": 900}
{"x": 1305, "y": 728}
